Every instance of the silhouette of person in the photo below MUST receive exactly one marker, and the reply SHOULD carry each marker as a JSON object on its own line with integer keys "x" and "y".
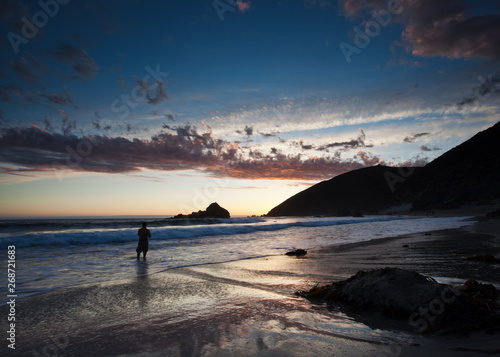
{"x": 144, "y": 234}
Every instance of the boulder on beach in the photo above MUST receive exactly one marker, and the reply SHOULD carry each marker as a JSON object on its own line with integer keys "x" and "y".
{"x": 484, "y": 258}
{"x": 214, "y": 210}
{"x": 297, "y": 253}
{"x": 428, "y": 305}
{"x": 494, "y": 214}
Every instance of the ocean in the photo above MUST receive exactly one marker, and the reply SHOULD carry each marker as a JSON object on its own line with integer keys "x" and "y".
{"x": 54, "y": 253}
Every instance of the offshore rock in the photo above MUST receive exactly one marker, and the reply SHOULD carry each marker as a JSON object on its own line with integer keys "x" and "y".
{"x": 297, "y": 253}
{"x": 212, "y": 211}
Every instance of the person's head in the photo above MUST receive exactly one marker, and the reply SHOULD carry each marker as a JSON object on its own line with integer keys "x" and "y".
{"x": 144, "y": 225}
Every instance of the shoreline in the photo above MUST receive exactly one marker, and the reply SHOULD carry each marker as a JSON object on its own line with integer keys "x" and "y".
{"x": 248, "y": 306}
{"x": 439, "y": 254}
{"x": 254, "y": 253}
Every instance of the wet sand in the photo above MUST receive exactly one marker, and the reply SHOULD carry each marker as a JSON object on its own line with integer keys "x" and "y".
{"x": 248, "y": 307}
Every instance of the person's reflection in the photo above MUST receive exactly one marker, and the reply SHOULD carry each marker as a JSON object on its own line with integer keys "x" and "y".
{"x": 142, "y": 287}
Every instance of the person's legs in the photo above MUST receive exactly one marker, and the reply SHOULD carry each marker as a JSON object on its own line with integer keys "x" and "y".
{"x": 144, "y": 255}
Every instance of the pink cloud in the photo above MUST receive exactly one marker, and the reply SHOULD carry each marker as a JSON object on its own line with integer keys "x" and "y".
{"x": 184, "y": 148}
{"x": 244, "y": 6}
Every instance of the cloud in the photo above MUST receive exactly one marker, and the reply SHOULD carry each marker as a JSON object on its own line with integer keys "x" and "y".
{"x": 450, "y": 28}
{"x": 289, "y": 167}
{"x": 354, "y": 7}
{"x": 154, "y": 94}
{"x": 182, "y": 148}
{"x": 24, "y": 70}
{"x": 426, "y": 148}
{"x": 121, "y": 82}
{"x": 411, "y": 139}
{"x": 243, "y": 5}
{"x": 96, "y": 124}
{"x": 488, "y": 86}
{"x": 186, "y": 149}
{"x": 369, "y": 159}
{"x": 6, "y": 8}
{"x": 79, "y": 59}
{"x": 9, "y": 94}
{"x": 248, "y": 130}
{"x": 58, "y": 99}
{"x": 304, "y": 146}
{"x": 7, "y": 91}
{"x": 320, "y": 3}
{"x": 342, "y": 145}
{"x": 445, "y": 29}
{"x": 268, "y": 135}
{"x": 48, "y": 124}
{"x": 67, "y": 126}
{"x": 416, "y": 161}
{"x": 352, "y": 144}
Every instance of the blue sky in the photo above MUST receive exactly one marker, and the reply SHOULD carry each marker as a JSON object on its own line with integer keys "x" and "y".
{"x": 176, "y": 104}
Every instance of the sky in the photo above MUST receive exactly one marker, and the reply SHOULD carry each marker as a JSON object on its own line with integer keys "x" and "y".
{"x": 161, "y": 107}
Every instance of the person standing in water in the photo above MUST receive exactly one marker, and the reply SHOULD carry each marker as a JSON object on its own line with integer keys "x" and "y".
{"x": 144, "y": 234}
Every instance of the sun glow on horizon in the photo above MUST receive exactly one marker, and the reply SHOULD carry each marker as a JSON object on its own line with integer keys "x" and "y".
{"x": 149, "y": 193}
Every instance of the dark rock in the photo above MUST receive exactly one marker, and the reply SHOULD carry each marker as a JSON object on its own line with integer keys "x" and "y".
{"x": 494, "y": 214}
{"x": 346, "y": 212}
{"x": 297, "y": 253}
{"x": 216, "y": 211}
{"x": 480, "y": 291}
{"x": 212, "y": 211}
{"x": 485, "y": 258}
{"x": 343, "y": 212}
{"x": 428, "y": 305}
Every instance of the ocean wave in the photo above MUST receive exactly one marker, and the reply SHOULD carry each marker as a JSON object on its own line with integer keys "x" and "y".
{"x": 167, "y": 233}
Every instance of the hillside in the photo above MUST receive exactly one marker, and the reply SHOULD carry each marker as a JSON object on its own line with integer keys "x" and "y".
{"x": 467, "y": 174}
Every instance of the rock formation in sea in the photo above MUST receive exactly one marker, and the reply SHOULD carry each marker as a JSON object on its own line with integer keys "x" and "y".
{"x": 214, "y": 210}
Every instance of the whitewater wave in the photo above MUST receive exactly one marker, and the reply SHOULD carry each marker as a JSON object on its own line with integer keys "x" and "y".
{"x": 73, "y": 235}
{"x": 56, "y": 225}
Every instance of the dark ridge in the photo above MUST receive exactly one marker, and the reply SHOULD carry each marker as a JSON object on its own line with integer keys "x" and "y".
{"x": 467, "y": 174}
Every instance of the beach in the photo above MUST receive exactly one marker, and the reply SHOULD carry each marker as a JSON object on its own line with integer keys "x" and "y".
{"x": 249, "y": 307}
